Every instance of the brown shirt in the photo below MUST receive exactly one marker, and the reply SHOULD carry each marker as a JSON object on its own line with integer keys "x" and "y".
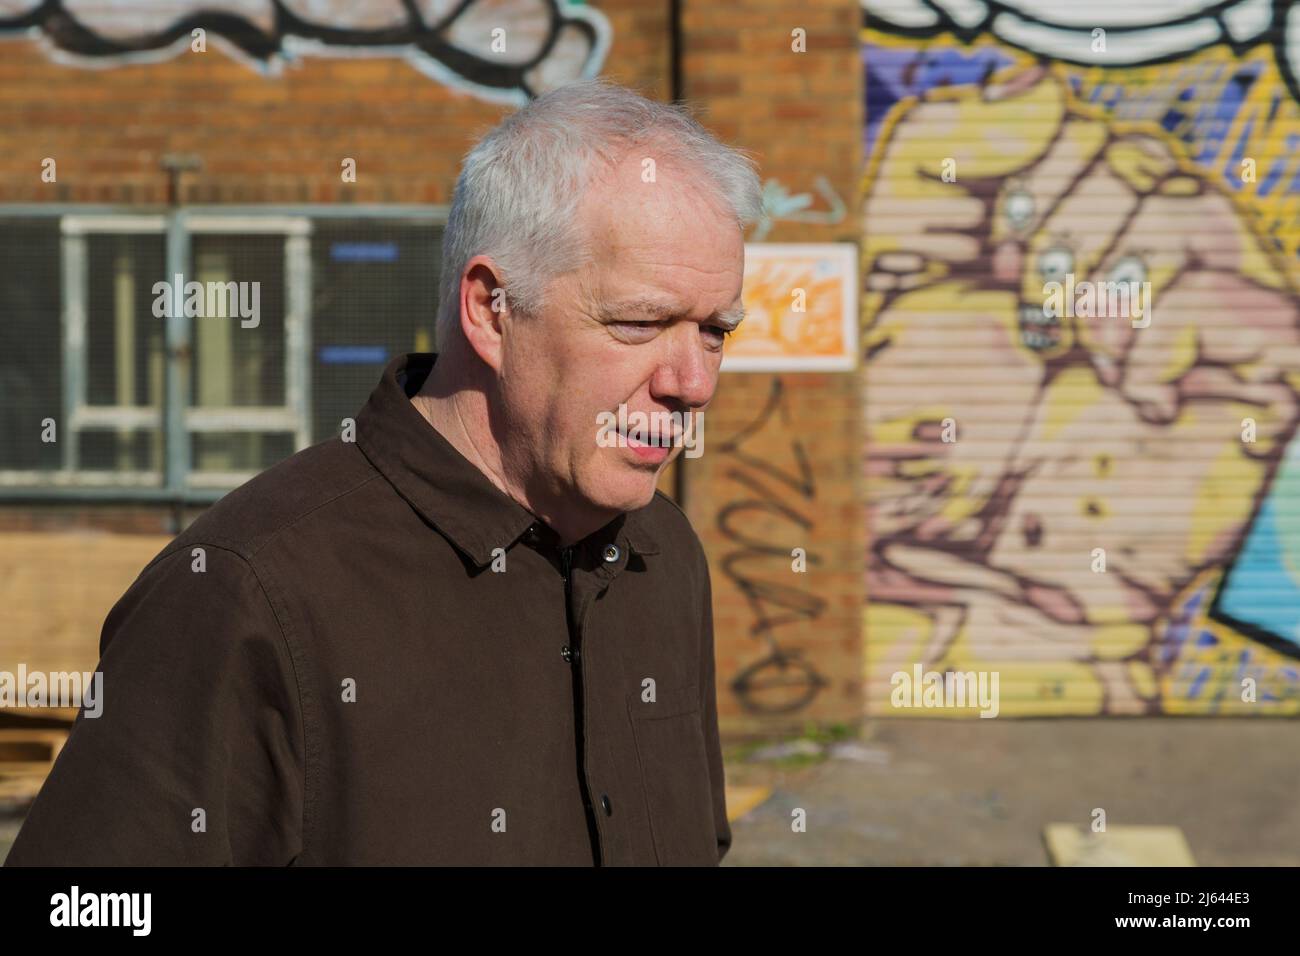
{"x": 376, "y": 658}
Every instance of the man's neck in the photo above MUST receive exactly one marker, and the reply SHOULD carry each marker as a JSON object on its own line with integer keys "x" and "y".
{"x": 458, "y": 411}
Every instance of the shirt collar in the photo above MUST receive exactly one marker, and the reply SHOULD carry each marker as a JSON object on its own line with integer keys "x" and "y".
{"x": 448, "y": 490}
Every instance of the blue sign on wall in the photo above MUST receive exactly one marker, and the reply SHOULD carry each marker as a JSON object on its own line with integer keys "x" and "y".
{"x": 363, "y": 251}
{"x": 353, "y": 354}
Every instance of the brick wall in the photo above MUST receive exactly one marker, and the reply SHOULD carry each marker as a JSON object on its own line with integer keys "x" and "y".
{"x": 263, "y": 139}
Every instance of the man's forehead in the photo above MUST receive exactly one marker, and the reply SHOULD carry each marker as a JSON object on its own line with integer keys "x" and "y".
{"x": 617, "y": 248}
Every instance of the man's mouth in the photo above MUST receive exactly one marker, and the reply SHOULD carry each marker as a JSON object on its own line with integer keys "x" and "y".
{"x": 651, "y": 450}
{"x": 660, "y": 441}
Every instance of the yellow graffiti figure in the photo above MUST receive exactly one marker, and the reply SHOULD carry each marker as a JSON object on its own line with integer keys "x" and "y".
{"x": 1046, "y": 477}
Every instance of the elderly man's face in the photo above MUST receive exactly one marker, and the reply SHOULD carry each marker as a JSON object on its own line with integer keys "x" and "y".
{"x": 590, "y": 352}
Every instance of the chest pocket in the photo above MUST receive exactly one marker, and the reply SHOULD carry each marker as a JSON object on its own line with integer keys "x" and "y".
{"x": 675, "y": 776}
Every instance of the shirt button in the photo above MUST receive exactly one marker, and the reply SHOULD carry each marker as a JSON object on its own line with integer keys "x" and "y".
{"x": 605, "y": 805}
{"x": 611, "y": 553}
{"x": 570, "y": 654}
{"x": 531, "y": 535}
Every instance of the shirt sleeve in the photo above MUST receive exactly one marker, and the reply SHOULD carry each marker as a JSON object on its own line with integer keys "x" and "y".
{"x": 713, "y": 747}
{"x": 196, "y": 757}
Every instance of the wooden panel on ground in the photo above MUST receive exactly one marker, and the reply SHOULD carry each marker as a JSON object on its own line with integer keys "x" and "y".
{"x": 1070, "y": 845}
{"x": 741, "y": 800}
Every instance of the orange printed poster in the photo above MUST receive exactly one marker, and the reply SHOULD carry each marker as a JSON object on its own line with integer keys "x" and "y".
{"x": 801, "y": 309}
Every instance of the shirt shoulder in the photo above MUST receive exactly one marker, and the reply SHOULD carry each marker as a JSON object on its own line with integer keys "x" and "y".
{"x": 251, "y": 516}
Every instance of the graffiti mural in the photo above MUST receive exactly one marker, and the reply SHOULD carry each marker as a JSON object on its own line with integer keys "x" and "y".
{"x": 1134, "y": 33}
{"x": 762, "y": 524}
{"x": 779, "y": 205}
{"x": 500, "y": 50}
{"x": 1105, "y": 514}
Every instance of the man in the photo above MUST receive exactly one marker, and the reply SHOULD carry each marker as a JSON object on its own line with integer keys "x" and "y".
{"x": 468, "y": 631}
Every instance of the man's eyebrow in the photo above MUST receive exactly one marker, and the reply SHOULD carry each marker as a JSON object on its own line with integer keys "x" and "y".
{"x": 661, "y": 309}
{"x": 730, "y": 318}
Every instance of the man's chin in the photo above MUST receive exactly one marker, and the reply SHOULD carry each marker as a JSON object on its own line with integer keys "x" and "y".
{"x": 627, "y": 491}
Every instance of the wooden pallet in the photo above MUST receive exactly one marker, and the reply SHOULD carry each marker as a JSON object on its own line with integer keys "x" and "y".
{"x": 11, "y": 717}
{"x": 26, "y": 756}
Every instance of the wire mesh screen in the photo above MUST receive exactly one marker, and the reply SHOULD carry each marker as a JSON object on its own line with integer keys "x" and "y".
{"x": 374, "y": 295}
{"x": 31, "y": 382}
{"x": 124, "y": 342}
{"x": 239, "y": 347}
{"x": 125, "y": 351}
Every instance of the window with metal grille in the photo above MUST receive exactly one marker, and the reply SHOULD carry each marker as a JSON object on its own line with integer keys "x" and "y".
{"x": 173, "y": 355}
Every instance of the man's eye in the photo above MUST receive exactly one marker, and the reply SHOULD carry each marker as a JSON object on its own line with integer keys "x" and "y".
{"x": 719, "y": 330}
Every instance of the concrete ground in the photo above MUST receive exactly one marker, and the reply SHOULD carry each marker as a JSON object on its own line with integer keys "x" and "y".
{"x": 979, "y": 792}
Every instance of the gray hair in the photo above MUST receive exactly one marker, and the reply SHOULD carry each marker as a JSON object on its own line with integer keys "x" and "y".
{"x": 517, "y": 194}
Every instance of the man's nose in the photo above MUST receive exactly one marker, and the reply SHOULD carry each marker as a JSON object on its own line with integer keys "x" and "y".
{"x": 688, "y": 370}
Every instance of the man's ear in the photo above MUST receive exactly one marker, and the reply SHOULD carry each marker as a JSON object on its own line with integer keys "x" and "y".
{"x": 483, "y": 310}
